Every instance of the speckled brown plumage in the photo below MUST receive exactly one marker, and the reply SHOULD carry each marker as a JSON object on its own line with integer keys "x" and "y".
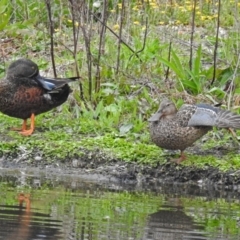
{"x": 178, "y": 129}
{"x": 25, "y": 94}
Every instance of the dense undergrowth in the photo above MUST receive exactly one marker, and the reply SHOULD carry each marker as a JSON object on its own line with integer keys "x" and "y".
{"x": 129, "y": 56}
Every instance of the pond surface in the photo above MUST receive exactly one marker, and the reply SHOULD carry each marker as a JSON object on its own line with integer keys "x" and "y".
{"x": 42, "y": 206}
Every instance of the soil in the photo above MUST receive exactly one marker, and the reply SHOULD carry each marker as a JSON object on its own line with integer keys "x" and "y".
{"x": 96, "y": 166}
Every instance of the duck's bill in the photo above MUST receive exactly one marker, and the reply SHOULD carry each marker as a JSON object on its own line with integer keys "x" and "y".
{"x": 155, "y": 117}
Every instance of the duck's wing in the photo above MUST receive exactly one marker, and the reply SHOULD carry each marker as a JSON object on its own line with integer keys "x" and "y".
{"x": 207, "y": 115}
{"x": 184, "y": 114}
{"x": 204, "y": 115}
{"x": 53, "y": 84}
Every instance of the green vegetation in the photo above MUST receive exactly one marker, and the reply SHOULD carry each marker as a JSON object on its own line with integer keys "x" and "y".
{"x": 136, "y": 57}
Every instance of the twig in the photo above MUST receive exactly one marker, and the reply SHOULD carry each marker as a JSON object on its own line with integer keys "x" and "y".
{"x": 231, "y": 86}
{"x": 76, "y": 7}
{"x": 169, "y": 58}
{"x": 216, "y": 44}
{"x": 101, "y": 46}
{"x": 122, "y": 41}
{"x": 192, "y": 34}
{"x": 120, "y": 36}
{"x": 51, "y": 28}
{"x": 144, "y": 41}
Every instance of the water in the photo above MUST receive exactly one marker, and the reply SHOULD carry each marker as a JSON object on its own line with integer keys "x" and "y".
{"x": 41, "y": 206}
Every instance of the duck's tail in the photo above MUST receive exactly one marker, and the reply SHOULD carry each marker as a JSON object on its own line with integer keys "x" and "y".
{"x": 59, "y": 83}
{"x": 227, "y": 119}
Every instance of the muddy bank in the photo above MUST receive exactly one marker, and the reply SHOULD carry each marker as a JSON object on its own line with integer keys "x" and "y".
{"x": 98, "y": 166}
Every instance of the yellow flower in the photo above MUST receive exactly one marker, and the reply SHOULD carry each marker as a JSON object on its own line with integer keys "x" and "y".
{"x": 135, "y": 8}
{"x": 116, "y": 27}
{"x": 136, "y": 22}
{"x": 203, "y": 17}
{"x": 161, "y": 23}
{"x": 210, "y": 17}
{"x": 70, "y": 20}
{"x": 183, "y": 9}
{"x": 152, "y": 4}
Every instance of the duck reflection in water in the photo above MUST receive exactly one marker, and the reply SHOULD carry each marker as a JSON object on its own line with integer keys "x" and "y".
{"x": 20, "y": 222}
{"x": 171, "y": 223}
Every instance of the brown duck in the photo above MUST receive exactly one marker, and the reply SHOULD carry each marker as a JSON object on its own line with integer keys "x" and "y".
{"x": 25, "y": 94}
{"x": 178, "y": 129}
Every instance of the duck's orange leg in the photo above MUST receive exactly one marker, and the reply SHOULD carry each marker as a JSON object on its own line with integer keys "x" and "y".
{"x": 24, "y": 198}
{"x": 24, "y": 126}
{"x": 28, "y": 132}
{"x": 182, "y": 158}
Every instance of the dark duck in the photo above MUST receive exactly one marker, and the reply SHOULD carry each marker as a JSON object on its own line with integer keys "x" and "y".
{"x": 25, "y": 94}
{"x": 178, "y": 129}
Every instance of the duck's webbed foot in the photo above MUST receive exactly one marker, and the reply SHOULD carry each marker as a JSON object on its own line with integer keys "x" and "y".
{"x": 180, "y": 159}
{"x": 28, "y": 132}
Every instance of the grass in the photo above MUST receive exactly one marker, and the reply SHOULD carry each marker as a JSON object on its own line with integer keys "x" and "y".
{"x": 122, "y": 82}
{"x": 59, "y": 141}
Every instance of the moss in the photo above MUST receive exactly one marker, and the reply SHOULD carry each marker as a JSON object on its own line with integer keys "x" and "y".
{"x": 67, "y": 137}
